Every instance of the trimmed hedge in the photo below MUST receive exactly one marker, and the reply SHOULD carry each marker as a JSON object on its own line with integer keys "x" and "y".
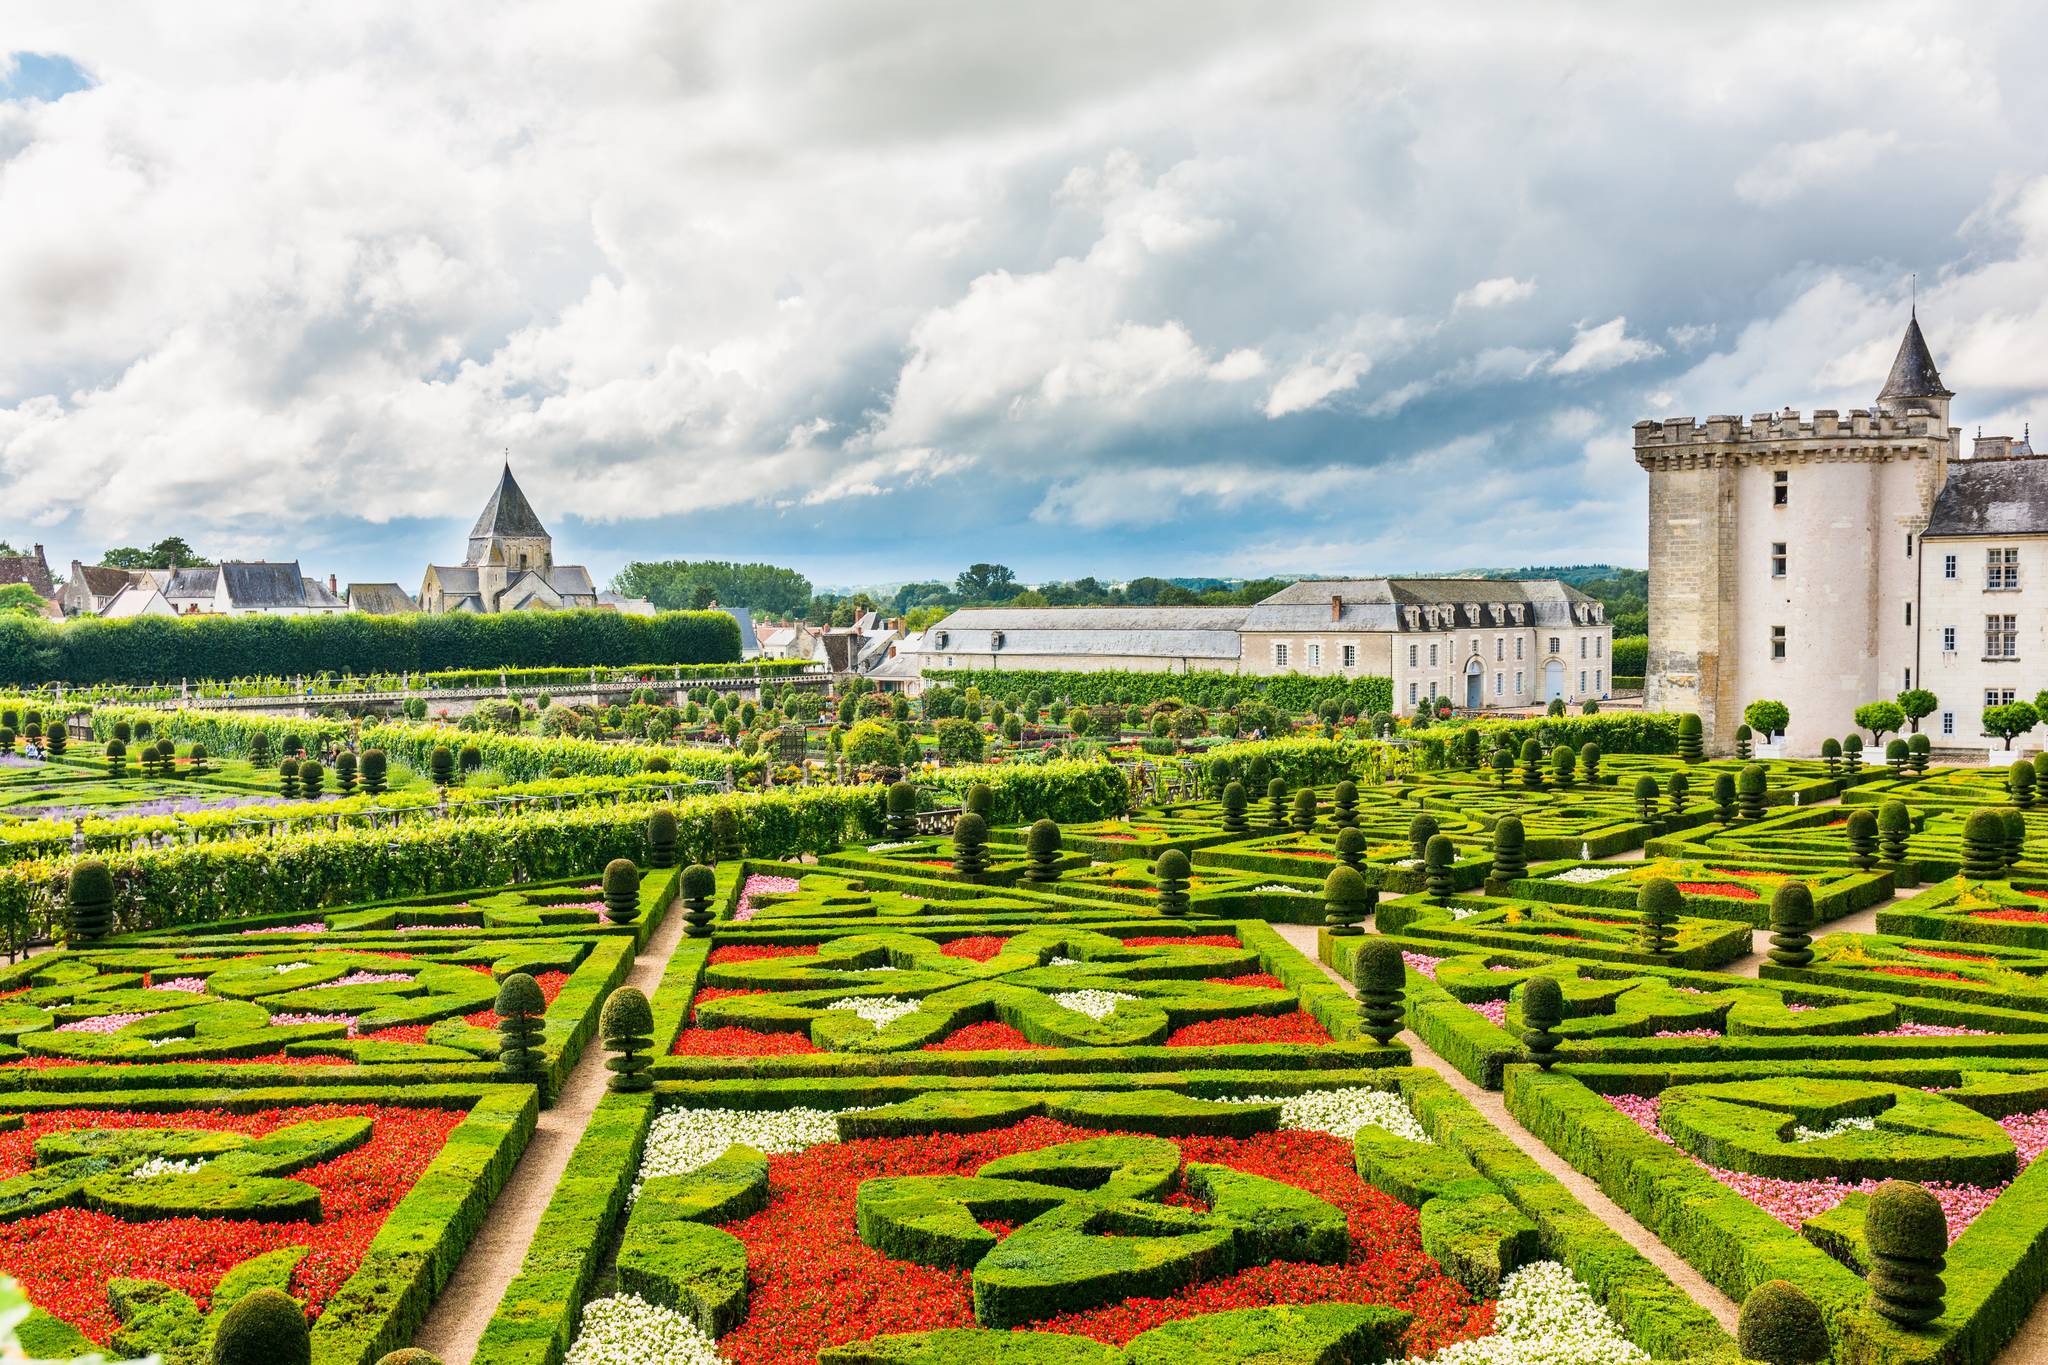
{"x": 1206, "y": 688}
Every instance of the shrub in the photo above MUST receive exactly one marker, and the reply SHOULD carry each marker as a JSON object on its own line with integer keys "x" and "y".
{"x": 1344, "y": 801}
{"x": 1234, "y": 804}
{"x": 960, "y": 740}
{"x": 1862, "y": 831}
{"x": 1589, "y": 761}
{"x": 374, "y": 768}
{"x": 1919, "y": 751}
{"x": 2015, "y": 837}
{"x": 1646, "y": 799}
{"x": 1510, "y": 849}
{"x": 981, "y": 799}
{"x": 89, "y": 900}
{"x": 470, "y": 759}
{"x": 1881, "y": 718}
{"x": 1769, "y": 717}
{"x": 1724, "y": 797}
{"x": 1792, "y": 920}
{"x": 519, "y": 1009}
{"x": 1171, "y": 873}
{"x": 621, "y": 891}
{"x": 1564, "y": 761}
{"x": 1831, "y": 754}
{"x": 57, "y": 740}
{"x": 344, "y": 769}
{"x": 1347, "y": 899}
{"x": 628, "y": 1028}
{"x": 1658, "y": 905}
{"x": 902, "y": 810}
{"x": 1304, "y": 810}
{"x": 1677, "y": 788}
{"x": 1556, "y": 707}
{"x": 1852, "y": 754}
{"x": 263, "y": 1327}
{"x": 1781, "y": 1326}
{"x": 441, "y": 765}
{"x": 1437, "y": 856}
{"x": 1381, "y": 977}
{"x": 970, "y": 844}
{"x": 661, "y": 837}
{"x": 1894, "y": 827}
{"x": 1895, "y": 755}
{"x": 2019, "y": 780}
{"x": 697, "y": 885}
{"x": 659, "y": 763}
{"x": 1350, "y": 848}
{"x": 117, "y": 758}
{"x": 1542, "y": 1011}
{"x": 1984, "y": 844}
{"x": 1532, "y": 763}
{"x": 1690, "y": 745}
{"x": 312, "y": 777}
{"x": 409, "y": 1355}
{"x": 1907, "y": 1235}
{"x": 1276, "y": 802}
{"x": 1421, "y": 830}
{"x": 1750, "y": 785}
{"x": 725, "y": 834}
{"x": 871, "y": 744}
{"x": 288, "y": 779}
{"x": 1042, "y": 852}
{"x": 1502, "y": 764}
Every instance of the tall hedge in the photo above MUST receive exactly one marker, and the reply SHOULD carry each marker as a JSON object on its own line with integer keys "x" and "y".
{"x": 142, "y": 649}
{"x": 1208, "y": 688}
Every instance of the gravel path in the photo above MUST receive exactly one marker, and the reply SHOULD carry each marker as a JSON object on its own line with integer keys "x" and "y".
{"x": 464, "y": 1307}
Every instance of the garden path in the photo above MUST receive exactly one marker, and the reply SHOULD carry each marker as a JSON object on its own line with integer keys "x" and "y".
{"x": 464, "y": 1307}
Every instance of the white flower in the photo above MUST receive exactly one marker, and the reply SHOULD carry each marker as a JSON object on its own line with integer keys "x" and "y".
{"x": 1288, "y": 890}
{"x": 879, "y": 1010}
{"x": 1588, "y": 874}
{"x": 1802, "y": 1133}
{"x": 681, "y": 1140}
{"x": 891, "y": 848}
{"x": 158, "y": 1165}
{"x": 1459, "y": 912}
{"x": 291, "y": 967}
{"x": 1063, "y": 962}
{"x": 1341, "y": 1113}
{"x": 1094, "y": 1004}
{"x": 625, "y": 1330}
{"x": 1544, "y": 1317}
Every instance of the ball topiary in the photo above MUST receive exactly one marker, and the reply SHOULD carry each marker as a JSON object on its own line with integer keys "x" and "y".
{"x": 1437, "y": 856}
{"x": 1421, "y": 830}
{"x": 1510, "y": 849}
{"x": 1304, "y": 810}
{"x": 1234, "y": 803}
{"x": 1042, "y": 853}
{"x": 970, "y": 844}
{"x": 1589, "y": 761}
{"x": 1690, "y": 747}
{"x": 1749, "y": 791}
{"x": 1792, "y": 920}
{"x": 1381, "y": 977}
{"x": 628, "y": 1028}
{"x": 1171, "y": 873}
{"x": 312, "y": 777}
{"x": 1831, "y": 755}
{"x": 1907, "y": 1235}
{"x": 1542, "y": 1011}
{"x": 519, "y": 1008}
{"x": 1781, "y": 1326}
{"x": 1658, "y": 905}
{"x": 1347, "y": 899}
{"x": 374, "y": 768}
{"x": 661, "y": 837}
{"x": 441, "y": 765}
{"x": 89, "y": 900}
{"x": 698, "y": 885}
{"x": 1350, "y": 848}
{"x": 902, "y": 810}
{"x": 1276, "y": 803}
{"x": 263, "y": 1327}
{"x": 1344, "y": 804}
{"x": 1984, "y": 844}
{"x": 1862, "y": 832}
{"x": 1894, "y": 827}
{"x": 621, "y": 891}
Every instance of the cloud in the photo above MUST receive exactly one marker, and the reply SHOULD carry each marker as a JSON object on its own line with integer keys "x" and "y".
{"x": 1605, "y": 347}
{"x": 1793, "y": 170}
{"x": 1312, "y": 381}
{"x": 1494, "y": 293}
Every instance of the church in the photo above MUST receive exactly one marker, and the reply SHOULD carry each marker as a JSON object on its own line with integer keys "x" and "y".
{"x": 510, "y": 565}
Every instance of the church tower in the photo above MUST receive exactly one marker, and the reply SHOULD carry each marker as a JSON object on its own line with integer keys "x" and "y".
{"x": 508, "y": 533}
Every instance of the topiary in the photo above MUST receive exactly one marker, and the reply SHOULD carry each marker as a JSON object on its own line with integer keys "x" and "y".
{"x": 2015, "y": 838}
{"x": 981, "y": 799}
{"x": 1381, "y": 977}
{"x": 1347, "y": 899}
{"x": 902, "y": 811}
{"x": 1042, "y": 853}
{"x": 1532, "y": 763}
{"x": 1421, "y": 830}
{"x": 1781, "y": 1326}
{"x": 408, "y": 1355}
{"x": 1907, "y": 1236}
{"x": 1749, "y": 791}
{"x": 1646, "y": 799}
{"x": 621, "y": 891}
{"x": 1234, "y": 803}
{"x": 1564, "y": 762}
{"x": 725, "y": 834}
{"x": 1831, "y": 755}
{"x": 1276, "y": 803}
{"x": 628, "y": 1028}
{"x": 263, "y": 1327}
{"x": 520, "y": 1007}
{"x": 1862, "y": 831}
{"x": 57, "y": 740}
{"x": 1984, "y": 844}
{"x": 1919, "y": 752}
{"x": 1589, "y": 761}
{"x": 1724, "y": 797}
{"x": 1510, "y": 849}
{"x": 1894, "y": 827}
{"x": 1344, "y": 803}
{"x": 1658, "y": 905}
{"x": 1171, "y": 873}
{"x": 1304, "y": 810}
{"x": 312, "y": 777}
{"x": 121, "y": 732}
{"x": 661, "y": 837}
{"x": 1895, "y": 755}
{"x": 1690, "y": 747}
{"x": 1542, "y": 1011}
{"x": 441, "y": 765}
{"x": 117, "y": 758}
{"x": 1677, "y": 788}
{"x": 970, "y": 844}
{"x": 1502, "y": 764}
{"x": 89, "y": 900}
{"x": 470, "y": 759}
{"x": 698, "y": 885}
{"x": 374, "y": 768}
{"x": 1742, "y": 742}
{"x": 344, "y": 770}
{"x": 196, "y": 762}
{"x": 1792, "y": 920}
{"x": 655, "y": 763}
{"x": 288, "y": 778}
{"x": 1350, "y": 848}
{"x": 1556, "y": 707}
{"x": 1437, "y": 855}
{"x": 1852, "y": 755}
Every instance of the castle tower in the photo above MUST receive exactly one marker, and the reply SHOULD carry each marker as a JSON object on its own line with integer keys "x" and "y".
{"x": 1784, "y": 553}
{"x": 508, "y": 533}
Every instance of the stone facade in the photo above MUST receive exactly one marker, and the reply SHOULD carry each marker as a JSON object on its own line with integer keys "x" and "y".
{"x": 510, "y": 565}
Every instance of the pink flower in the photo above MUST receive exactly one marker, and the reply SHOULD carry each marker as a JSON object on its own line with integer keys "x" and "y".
{"x": 370, "y": 978}
{"x": 284, "y": 1020}
{"x": 1495, "y": 1011}
{"x": 762, "y": 885}
{"x": 106, "y": 1023}
{"x": 1422, "y": 963}
{"x": 309, "y": 927}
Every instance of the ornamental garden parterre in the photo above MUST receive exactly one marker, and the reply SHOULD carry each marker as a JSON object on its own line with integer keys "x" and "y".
{"x": 1545, "y": 1046}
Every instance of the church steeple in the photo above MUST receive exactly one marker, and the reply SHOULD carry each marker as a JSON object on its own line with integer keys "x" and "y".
{"x": 1913, "y": 375}
{"x": 508, "y": 530}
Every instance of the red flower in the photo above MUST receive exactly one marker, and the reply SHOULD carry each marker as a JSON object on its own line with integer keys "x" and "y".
{"x": 1265, "y": 979}
{"x": 985, "y": 1038}
{"x": 1188, "y": 940}
{"x": 978, "y": 948}
{"x": 756, "y": 952}
{"x": 1926, "y": 973}
{"x": 1298, "y": 1027}
{"x": 1727, "y": 889}
{"x": 739, "y": 1042}
{"x": 550, "y": 984}
{"x": 2015, "y": 916}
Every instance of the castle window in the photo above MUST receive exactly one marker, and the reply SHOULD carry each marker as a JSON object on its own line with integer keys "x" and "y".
{"x": 1553, "y": 644}
{"x": 1582, "y": 680}
{"x": 1948, "y": 722}
{"x": 2001, "y": 637}
{"x": 1777, "y": 642}
{"x": 1411, "y": 694}
{"x": 2002, "y": 570}
{"x": 1777, "y": 559}
{"x": 1599, "y": 647}
{"x": 1279, "y": 656}
{"x": 1351, "y": 656}
{"x": 1997, "y": 696}
{"x": 1948, "y": 639}
{"x": 1582, "y": 652}
{"x": 1500, "y": 648}
{"x": 1432, "y": 664}
{"x": 1909, "y": 613}
{"x": 1518, "y": 655}
{"x": 1413, "y": 653}
{"x": 1948, "y": 566}
{"x": 1498, "y": 683}
{"x": 1518, "y": 682}
{"x": 1909, "y": 544}
{"x": 1596, "y": 680}
{"x": 1781, "y": 487}
{"x": 1315, "y": 656}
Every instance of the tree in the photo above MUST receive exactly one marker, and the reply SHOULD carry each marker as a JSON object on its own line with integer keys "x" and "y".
{"x": 169, "y": 553}
{"x": 986, "y": 583}
{"x": 19, "y": 599}
{"x": 1918, "y": 704}
{"x": 1771, "y": 717}
{"x": 1881, "y": 718}
{"x": 680, "y": 584}
{"x": 2010, "y": 721}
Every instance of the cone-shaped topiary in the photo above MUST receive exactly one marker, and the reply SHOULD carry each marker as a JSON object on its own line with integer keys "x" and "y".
{"x": 1381, "y": 977}
{"x": 970, "y": 844}
{"x": 1234, "y": 803}
{"x": 1831, "y": 754}
{"x": 1510, "y": 849}
{"x": 1658, "y": 905}
{"x": 698, "y": 885}
{"x": 1042, "y": 852}
{"x": 1437, "y": 855}
{"x": 1542, "y": 1011}
{"x": 902, "y": 811}
{"x": 1171, "y": 873}
{"x": 1344, "y": 803}
{"x": 1304, "y": 810}
{"x": 1749, "y": 791}
{"x": 1350, "y": 848}
{"x": 621, "y": 891}
{"x": 344, "y": 770}
{"x": 628, "y": 1027}
{"x": 1894, "y": 827}
{"x": 520, "y": 1007}
{"x": 1984, "y": 844}
{"x": 1347, "y": 899}
{"x": 1907, "y": 1234}
{"x": 312, "y": 777}
{"x": 1852, "y": 755}
{"x": 1677, "y": 788}
{"x": 375, "y": 766}
{"x": 2015, "y": 837}
{"x": 1724, "y": 797}
{"x": 1742, "y": 742}
{"x": 1781, "y": 1326}
{"x": 981, "y": 799}
{"x": 1276, "y": 803}
{"x": 1421, "y": 830}
{"x": 89, "y": 900}
{"x": 263, "y": 1327}
{"x": 1792, "y": 925}
{"x": 1690, "y": 730}
{"x": 1532, "y": 763}
{"x": 661, "y": 837}
{"x": 725, "y": 834}
{"x": 1862, "y": 831}
{"x": 441, "y": 765}
{"x": 1646, "y": 799}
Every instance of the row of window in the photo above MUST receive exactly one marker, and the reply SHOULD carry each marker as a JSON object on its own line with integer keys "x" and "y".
{"x": 2001, "y": 636}
{"x": 1347, "y": 655}
{"x": 1500, "y": 685}
{"x": 1596, "y": 643}
{"x": 2001, "y": 567}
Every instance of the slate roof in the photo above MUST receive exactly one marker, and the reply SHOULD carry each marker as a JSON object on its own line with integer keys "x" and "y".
{"x": 318, "y": 594}
{"x": 181, "y": 585}
{"x": 1913, "y": 374}
{"x": 455, "y": 579}
{"x": 1992, "y": 497}
{"x": 1376, "y": 604}
{"x": 101, "y": 580}
{"x": 571, "y": 580}
{"x": 1137, "y": 632}
{"x": 380, "y": 599}
{"x": 258, "y": 583}
{"x": 508, "y": 513}
{"x": 31, "y": 569}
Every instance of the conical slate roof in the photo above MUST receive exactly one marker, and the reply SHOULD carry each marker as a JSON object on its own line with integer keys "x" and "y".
{"x": 1913, "y": 374}
{"x": 508, "y": 513}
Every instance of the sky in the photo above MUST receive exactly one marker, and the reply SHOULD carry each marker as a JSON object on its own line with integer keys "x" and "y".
{"x": 880, "y": 290}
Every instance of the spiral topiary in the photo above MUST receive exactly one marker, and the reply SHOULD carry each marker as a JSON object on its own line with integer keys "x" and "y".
{"x": 312, "y": 777}
{"x": 1852, "y": 755}
{"x": 1437, "y": 856}
{"x": 1895, "y": 755}
{"x": 374, "y": 767}
{"x": 344, "y": 769}
{"x": 1831, "y": 755}
{"x": 697, "y": 885}
{"x": 725, "y": 834}
{"x": 1920, "y": 752}
{"x": 1276, "y": 803}
{"x": 1350, "y": 848}
{"x": 902, "y": 810}
{"x": 1304, "y": 810}
{"x": 1781, "y": 1326}
{"x": 1589, "y": 761}
{"x": 970, "y": 844}
{"x": 621, "y": 891}
{"x": 1564, "y": 765}
{"x": 628, "y": 1028}
{"x": 1743, "y": 737}
{"x": 1862, "y": 831}
{"x": 1690, "y": 747}
{"x": 1502, "y": 763}
{"x": 1659, "y": 903}
{"x": 56, "y": 741}
{"x": 1750, "y": 784}
{"x": 288, "y": 779}
{"x": 1042, "y": 853}
{"x": 1984, "y": 844}
{"x": 1542, "y": 1011}
{"x": 1677, "y": 788}
{"x": 1907, "y": 1235}
{"x": 1171, "y": 873}
{"x": 441, "y": 765}
{"x": 89, "y": 900}
{"x": 263, "y": 1327}
{"x": 519, "y": 1008}
{"x": 1347, "y": 899}
{"x": 1532, "y": 763}
{"x": 1344, "y": 805}
{"x": 1421, "y": 830}
{"x": 259, "y": 750}
{"x": 1381, "y": 977}
{"x": 1510, "y": 849}
{"x": 1792, "y": 921}
{"x": 2015, "y": 837}
{"x": 1724, "y": 797}
{"x": 1234, "y": 803}
{"x": 661, "y": 837}
{"x": 1894, "y": 827}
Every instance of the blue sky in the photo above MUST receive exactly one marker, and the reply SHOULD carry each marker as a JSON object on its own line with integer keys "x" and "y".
{"x": 878, "y": 291}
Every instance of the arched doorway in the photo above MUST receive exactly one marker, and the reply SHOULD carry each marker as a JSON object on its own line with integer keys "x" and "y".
{"x": 1553, "y": 680}
{"x": 1475, "y": 695}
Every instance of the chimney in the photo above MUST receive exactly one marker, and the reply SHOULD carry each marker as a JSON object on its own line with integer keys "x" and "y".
{"x": 332, "y": 586}
{"x": 1336, "y": 607}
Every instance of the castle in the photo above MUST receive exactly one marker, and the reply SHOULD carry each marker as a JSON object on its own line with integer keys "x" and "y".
{"x": 510, "y": 565}
{"x": 1834, "y": 560}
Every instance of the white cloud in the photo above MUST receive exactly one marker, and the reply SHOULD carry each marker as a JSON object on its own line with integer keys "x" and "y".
{"x": 1494, "y": 293}
{"x": 1792, "y": 170}
{"x": 1604, "y": 347}
{"x": 1310, "y": 382}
